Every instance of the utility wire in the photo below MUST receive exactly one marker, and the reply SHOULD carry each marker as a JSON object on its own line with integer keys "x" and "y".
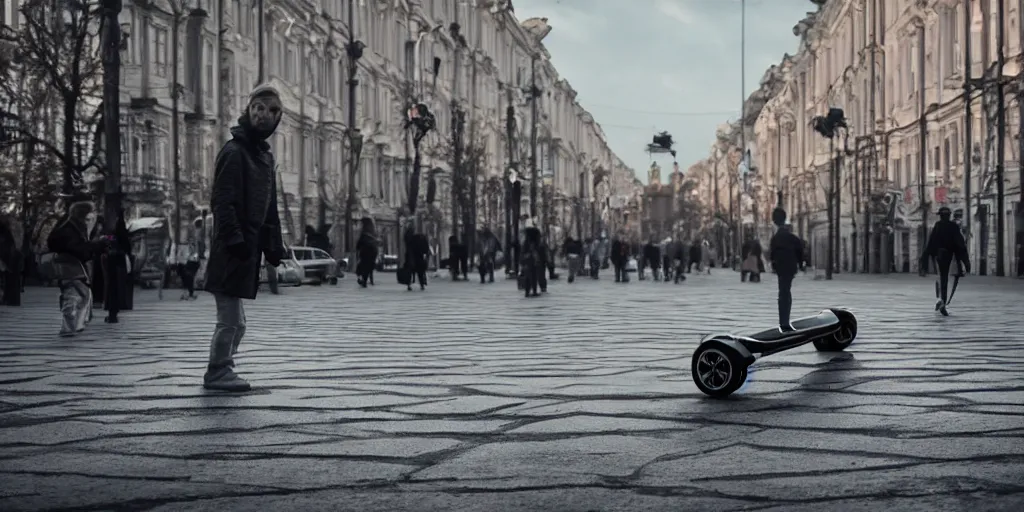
{"x": 665, "y": 112}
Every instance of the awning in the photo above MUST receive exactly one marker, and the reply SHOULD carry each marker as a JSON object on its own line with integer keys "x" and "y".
{"x": 146, "y": 223}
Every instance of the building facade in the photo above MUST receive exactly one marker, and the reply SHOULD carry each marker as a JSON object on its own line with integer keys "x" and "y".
{"x": 305, "y": 58}
{"x": 897, "y": 69}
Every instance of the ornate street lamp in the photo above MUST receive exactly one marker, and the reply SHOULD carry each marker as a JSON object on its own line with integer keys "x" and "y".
{"x": 421, "y": 121}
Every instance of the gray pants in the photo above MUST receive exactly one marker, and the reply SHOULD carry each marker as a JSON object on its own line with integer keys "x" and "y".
{"x": 229, "y": 331}
{"x": 75, "y": 305}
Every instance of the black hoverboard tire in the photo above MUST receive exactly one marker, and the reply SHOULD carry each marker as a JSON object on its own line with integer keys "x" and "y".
{"x": 718, "y": 370}
{"x": 841, "y": 339}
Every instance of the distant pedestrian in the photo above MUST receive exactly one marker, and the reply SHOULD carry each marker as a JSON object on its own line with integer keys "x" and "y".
{"x": 574, "y": 252}
{"x": 367, "y": 250}
{"x": 417, "y": 254}
{"x": 488, "y": 248}
{"x": 652, "y": 255}
{"x": 533, "y": 262}
{"x": 786, "y": 252}
{"x": 245, "y": 224}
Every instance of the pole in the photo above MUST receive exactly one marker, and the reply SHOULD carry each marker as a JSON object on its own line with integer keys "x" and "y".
{"x": 261, "y": 75}
{"x": 303, "y": 220}
{"x": 112, "y": 142}
{"x": 457, "y": 174}
{"x": 872, "y": 163}
{"x": 321, "y": 176}
{"x": 922, "y": 160}
{"x": 510, "y": 134}
{"x": 830, "y": 195}
{"x": 969, "y": 117}
{"x": 1001, "y": 145}
{"x": 534, "y": 172}
{"x": 222, "y": 83}
{"x": 1019, "y": 222}
{"x": 474, "y": 167}
{"x": 354, "y": 49}
{"x": 175, "y": 128}
{"x": 718, "y": 208}
{"x": 743, "y": 119}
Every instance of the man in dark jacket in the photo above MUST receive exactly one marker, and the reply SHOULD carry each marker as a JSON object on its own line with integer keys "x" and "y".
{"x": 619, "y": 258}
{"x": 945, "y": 242}
{"x": 487, "y": 250}
{"x": 533, "y": 261}
{"x": 573, "y": 250}
{"x": 245, "y": 227}
{"x": 417, "y": 253}
{"x": 652, "y": 256}
{"x": 367, "y": 250}
{"x": 786, "y": 252}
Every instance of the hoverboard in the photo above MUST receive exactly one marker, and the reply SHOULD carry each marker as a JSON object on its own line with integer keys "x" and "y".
{"x": 720, "y": 362}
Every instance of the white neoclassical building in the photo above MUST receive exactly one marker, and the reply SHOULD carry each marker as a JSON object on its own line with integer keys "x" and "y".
{"x": 305, "y": 58}
{"x": 897, "y": 69}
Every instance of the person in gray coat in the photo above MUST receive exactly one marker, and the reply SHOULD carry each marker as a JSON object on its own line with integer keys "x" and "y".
{"x": 245, "y": 227}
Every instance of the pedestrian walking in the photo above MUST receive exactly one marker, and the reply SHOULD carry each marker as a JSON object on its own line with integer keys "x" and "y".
{"x": 70, "y": 252}
{"x": 186, "y": 265}
{"x": 786, "y": 252}
{"x": 367, "y": 250}
{"x": 417, "y": 254}
{"x": 696, "y": 257}
{"x": 652, "y": 255}
{"x": 245, "y": 224}
{"x": 945, "y": 243}
{"x": 488, "y": 248}
{"x": 12, "y": 261}
{"x": 574, "y": 252}
{"x": 533, "y": 262}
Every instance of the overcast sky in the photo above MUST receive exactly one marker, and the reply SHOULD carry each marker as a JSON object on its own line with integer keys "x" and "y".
{"x": 642, "y": 66}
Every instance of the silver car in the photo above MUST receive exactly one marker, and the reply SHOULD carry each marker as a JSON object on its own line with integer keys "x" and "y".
{"x": 317, "y": 266}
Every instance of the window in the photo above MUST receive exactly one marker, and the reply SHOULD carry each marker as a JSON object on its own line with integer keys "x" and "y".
{"x": 159, "y": 57}
{"x": 946, "y": 163}
{"x": 209, "y": 56}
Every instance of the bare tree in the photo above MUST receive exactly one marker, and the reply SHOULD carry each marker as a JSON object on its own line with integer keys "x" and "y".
{"x": 56, "y": 57}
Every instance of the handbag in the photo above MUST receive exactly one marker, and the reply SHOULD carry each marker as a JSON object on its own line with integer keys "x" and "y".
{"x": 404, "y": 276}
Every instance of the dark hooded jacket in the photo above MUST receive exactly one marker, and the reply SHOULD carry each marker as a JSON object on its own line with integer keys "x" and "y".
{"x": 417, "y": 251}
{"x": 244, "y": 204}
{"x": 946, "y": 236}
{"x": 534, "y": 251}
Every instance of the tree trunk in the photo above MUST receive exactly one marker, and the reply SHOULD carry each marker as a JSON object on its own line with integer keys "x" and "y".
{"x": 69, "y": 144}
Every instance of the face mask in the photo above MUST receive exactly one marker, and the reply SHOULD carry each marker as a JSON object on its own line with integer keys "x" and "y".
{"x": 265, "y": 114}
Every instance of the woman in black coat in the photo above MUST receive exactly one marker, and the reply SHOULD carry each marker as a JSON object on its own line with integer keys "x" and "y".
{"x": 417, "y": 253}
{"x": 367, "y": 248}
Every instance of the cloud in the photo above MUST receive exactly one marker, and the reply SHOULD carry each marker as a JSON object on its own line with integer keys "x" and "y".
{"x": 674, "y": 10}
{"x": 676, "y": 83}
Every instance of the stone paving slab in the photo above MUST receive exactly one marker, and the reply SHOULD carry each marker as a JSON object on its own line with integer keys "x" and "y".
{"x": 473, "y": 398}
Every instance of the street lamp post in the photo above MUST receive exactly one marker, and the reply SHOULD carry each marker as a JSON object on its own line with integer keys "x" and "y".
{"x": 114, "y": 273}
{"x": 354, "y": 50}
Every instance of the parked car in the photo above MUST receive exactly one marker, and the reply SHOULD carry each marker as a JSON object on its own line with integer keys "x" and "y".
{"x": 318, "y": 266}
{"x": 289, "y": 273}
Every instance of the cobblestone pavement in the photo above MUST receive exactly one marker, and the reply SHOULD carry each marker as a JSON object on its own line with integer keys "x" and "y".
{"x": 473, "y": 398}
